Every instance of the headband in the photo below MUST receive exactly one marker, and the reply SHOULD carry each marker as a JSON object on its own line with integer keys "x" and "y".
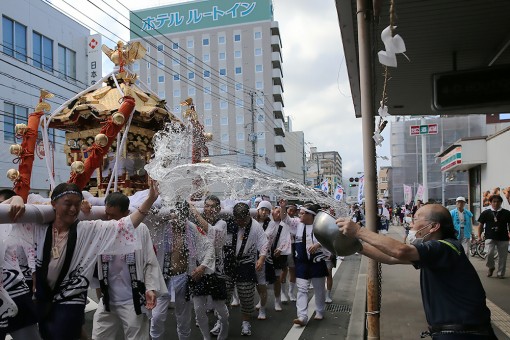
{"x": 308, "y": 211}
{"x": 68, "y": 192}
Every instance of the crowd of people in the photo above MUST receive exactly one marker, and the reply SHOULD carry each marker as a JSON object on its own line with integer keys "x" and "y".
{"x": 203, "y": 260}
{"x": 195, "y": 257}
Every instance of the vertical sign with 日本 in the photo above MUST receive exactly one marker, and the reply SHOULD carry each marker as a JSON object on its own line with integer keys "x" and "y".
{"x": 94, "y": 59}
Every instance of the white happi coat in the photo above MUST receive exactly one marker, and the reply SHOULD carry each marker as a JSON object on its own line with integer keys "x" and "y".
{"x": 148, "y": 270}
{"x": 284, "y": 242}
{"x": 93, "y": 238}
{"x": 201, "y": 249}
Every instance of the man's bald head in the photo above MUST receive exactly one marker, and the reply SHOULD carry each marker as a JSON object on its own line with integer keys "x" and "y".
{"x": 439, "y": 214}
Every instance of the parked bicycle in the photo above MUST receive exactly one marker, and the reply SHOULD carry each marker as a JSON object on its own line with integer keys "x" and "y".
{"x": 478, "y": 248}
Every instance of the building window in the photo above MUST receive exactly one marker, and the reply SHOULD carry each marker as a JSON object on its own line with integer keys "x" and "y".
{"x": 161, "y": 48}
{"x": 42, "y": 52}
{"x": 221, "y": 39}
{"x": 14, "y": 39}
{"x": 224, "y": 120}
{"x": 207, "y": 73}
{"x": 208, "y": 121}
{"x": 192, "y": 91}
{"x": 224, "y": 137}
{"x": 237, "y": 54}
{"x": 205, "y": 42}
{"x": 259, "y": 85}
{"x": 12, "y": 115}
{"x": 239, "y": 86}
{"x": 148, "y": 47}
{"x": 177, "y": 76}
{"x": 240, "y": 136}
{"x": 175, "y": 46}
{"x": 148, "y": 65}
{"x": 258, "y": 51}
{"x": 66, "y": 62}
{"x": 161, "y": 63}
{"x": 262, "y": 152}
{"x": 260, "y": 118}
{"x": 237, "y": 37}
{"x": 223, "y": 71}
{"x": 191, "y": 75}
{"x": 239, "y": 102}
{"x": 191, "y": 59}
{"x": 259, "y": 102}
{"x": 222, "y": 56}
{"x": 207, "y": 105}
{"x": 136, "y": 66}
{"x": 148, "y": 80}
{"x": 175, "y": 61}
{"x": 190, "y": 44}
{"x": 223, "y": 104}
{"x": 207, "y": 89}
{"x": 257, "y": 35}
{"x": 177, "y": 93}
{"x": 239, "y": 119}
{"x": 206, "y": 58}
{"x": 223, "y": 87}
{"x": 161, "y": 79}
{"x": 239, "y": 70}
{"x": 261, "y": 135}
{"x": 258, "y": 68}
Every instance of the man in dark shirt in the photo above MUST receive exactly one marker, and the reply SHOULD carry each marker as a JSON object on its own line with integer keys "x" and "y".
{"x": 495, "y": 223}
{"x": 452, "y": 294}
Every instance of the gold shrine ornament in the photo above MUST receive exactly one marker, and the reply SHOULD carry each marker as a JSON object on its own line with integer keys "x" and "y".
{"x": 16, "y": 149}
{"x": 21, "y": 129}
{"x": 208, "y": 136}
{"x": 118, "y": 119}
{"x": 13, "y": 174}
{"x": 101, "y": 139}
{"x": 77, "y": 167}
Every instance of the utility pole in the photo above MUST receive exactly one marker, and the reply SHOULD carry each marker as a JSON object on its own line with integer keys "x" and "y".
{"x": 304, "y": 162}
{"x": 318, "y": 169}
{"x": 253, "y": 137}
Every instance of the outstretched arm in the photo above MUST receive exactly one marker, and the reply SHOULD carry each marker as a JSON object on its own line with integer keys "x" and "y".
{"x": 139, "y": 214}
{"x": 386, "y": 245}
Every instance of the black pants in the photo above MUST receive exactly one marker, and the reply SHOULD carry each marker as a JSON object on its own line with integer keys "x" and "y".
{"x": 60, "y": 321}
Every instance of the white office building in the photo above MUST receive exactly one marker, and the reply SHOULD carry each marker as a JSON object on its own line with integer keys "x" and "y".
{"x": 41, "y": 49}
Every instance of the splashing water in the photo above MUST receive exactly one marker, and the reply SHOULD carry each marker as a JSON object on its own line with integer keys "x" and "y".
{"x": 178, "y": 180}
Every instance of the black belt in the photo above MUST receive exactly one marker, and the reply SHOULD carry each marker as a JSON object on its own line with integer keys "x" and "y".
{"x": 460, "y": 328}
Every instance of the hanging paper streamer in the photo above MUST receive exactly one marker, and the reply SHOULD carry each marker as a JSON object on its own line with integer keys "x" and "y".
{"x": 392, "y": 45}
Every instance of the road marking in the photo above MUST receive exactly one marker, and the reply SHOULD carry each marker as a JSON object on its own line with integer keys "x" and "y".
{"x": 499, "y": 318}
{"x": 296, "y": 331}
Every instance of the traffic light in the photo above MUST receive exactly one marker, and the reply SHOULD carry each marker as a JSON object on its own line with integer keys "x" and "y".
{"x": 353, "y": 185}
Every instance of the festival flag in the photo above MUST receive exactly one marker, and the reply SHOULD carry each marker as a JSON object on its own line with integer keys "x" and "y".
{"x": 325, "y": 186}
{"x": 339, "y": 192}
{"x": 419, "y": 194}
{"x": 361, "y": 189}
{"x": 408, "y": 194}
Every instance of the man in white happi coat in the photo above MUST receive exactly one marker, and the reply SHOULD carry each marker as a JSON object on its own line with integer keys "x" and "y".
{"x": 184, "y": 254}
{"x": 129, "y": 283}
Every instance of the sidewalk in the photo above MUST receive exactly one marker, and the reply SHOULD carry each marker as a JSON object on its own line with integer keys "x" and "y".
{"x": 402, "y": 315}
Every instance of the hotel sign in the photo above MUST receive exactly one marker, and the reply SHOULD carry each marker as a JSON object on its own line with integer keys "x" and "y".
{"x": 197, "y": 15}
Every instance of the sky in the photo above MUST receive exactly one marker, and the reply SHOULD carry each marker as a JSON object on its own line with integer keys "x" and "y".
{"x": 316, "y": 87}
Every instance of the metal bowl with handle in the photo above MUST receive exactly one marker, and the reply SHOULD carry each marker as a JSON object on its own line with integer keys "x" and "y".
{"x": 327, "y": 233}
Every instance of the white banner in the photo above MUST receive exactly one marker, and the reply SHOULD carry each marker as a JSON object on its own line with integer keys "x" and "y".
{"x": 325, "y": 186}
{"x": 408, "y": 194}
{"x": 339, "y": 192}
{"x": 95, "y": 64}
{"x": 419, "y": 194}
{"x": 361, "y": 189}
